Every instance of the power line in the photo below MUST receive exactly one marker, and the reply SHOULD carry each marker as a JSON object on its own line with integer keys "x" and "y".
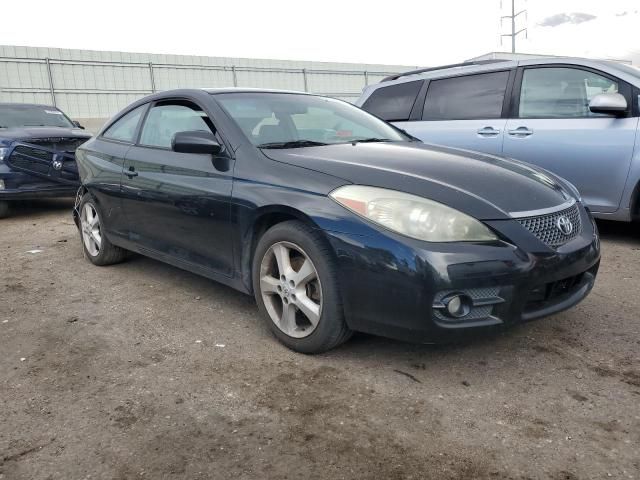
{"x": 513, "y": 17}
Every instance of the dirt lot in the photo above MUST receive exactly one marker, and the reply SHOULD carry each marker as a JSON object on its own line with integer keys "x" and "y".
{"x": 141, "y": 370}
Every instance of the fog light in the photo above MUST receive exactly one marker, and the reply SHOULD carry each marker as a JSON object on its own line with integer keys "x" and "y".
{"x": 458, "y": 305}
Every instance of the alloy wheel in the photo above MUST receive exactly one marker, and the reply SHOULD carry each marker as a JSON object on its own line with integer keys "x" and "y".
{"x": 91, "y": 234}
{"x": 291, "y": 289}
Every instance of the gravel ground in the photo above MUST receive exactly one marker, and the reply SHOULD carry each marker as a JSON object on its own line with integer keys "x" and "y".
{"x": 141, "y": 370}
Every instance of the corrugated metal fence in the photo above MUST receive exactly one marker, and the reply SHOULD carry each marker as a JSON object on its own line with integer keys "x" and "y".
{"x": 92, "y": 86}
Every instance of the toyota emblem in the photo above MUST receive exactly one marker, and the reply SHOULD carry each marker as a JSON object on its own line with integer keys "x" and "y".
{"x": 564, "y": 225}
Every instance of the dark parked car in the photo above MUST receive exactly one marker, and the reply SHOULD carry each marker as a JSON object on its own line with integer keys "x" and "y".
{"x": 37, "y": 145}
{"x": 335, "y": 220}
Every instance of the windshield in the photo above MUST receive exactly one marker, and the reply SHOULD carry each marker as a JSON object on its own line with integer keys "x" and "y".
{"x": 275, "y": 120}
{"x": 32, "y": 116}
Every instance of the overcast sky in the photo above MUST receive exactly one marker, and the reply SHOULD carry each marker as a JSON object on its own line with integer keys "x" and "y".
{"x": 399, "y": 32}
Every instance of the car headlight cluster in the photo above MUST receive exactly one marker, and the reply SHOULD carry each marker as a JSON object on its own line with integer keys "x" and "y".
{"x": 3, "y": 153}
{"x": 410, "y": 215}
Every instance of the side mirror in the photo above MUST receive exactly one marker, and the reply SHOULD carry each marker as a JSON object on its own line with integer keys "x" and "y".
{"x": 609, "y": 103}
{"x": 196, "y": 141}
{"x": 77, "y": 124}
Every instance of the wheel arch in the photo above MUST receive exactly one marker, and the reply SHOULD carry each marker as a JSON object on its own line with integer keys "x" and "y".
{"x": 263, "y": 220}
{"x": 76, "y": 212}
{"x": 635, "y": 203}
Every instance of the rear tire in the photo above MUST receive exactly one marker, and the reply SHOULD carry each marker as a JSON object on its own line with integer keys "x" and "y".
{"x": 5, "y": 209}
{"x": 95, "y": 245}
{"x": 295, "y": 285}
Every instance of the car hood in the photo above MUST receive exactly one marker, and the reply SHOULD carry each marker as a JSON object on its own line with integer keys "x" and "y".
{"x": 26, "y": 133}
{"x": 484, "y": 186}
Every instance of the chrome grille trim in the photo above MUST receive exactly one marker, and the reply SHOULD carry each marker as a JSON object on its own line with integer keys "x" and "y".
{"x": 545, "y": 228}
{"x": 543, "y": 211}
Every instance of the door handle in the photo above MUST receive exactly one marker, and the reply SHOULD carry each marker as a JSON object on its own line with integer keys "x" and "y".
{"x": 521, "y": 132}
{"x": 131, "y": 172}
{"x": 488, "y": 132}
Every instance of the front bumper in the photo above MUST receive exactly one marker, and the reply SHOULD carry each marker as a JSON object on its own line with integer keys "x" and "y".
{"x": 22, "y": 186}
{"x": 394, "y": 286}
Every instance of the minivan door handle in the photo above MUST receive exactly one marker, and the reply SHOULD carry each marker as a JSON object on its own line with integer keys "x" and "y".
{"x": 488, "y": 132}
{"x": 521, "y": 132}
{"x": 131, "y": 172}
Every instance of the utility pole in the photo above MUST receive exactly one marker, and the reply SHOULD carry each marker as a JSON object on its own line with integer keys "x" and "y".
{"x": 513, "y": 17}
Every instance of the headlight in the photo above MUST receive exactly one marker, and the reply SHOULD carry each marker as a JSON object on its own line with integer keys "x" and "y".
{"x": 410, "y": 215}
{"x": 3, "y": 153}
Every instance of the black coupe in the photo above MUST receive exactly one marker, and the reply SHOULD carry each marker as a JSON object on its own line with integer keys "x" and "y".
{"x": 333, "y": 219}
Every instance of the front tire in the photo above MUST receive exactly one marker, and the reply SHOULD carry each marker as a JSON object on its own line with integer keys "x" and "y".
{"x": 296, "y": 288}
{"x": 5, "y": 210}
{"x": 96, "y": 246}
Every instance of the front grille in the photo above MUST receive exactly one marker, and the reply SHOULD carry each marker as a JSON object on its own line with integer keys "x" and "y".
{"x": 33, "y": 152}
{"x": 551, "y": 293}
{"x": 41, "y": 161}
{"x": 545, "y": 227}
{"x": 61, "y": 144}
{"x": 553, "y": 290}
{"x": 24, "y": 163}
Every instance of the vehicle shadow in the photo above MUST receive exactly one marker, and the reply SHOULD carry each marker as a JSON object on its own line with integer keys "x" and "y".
{"x": 619, "y": 231}
{"x": 29, "y": 208}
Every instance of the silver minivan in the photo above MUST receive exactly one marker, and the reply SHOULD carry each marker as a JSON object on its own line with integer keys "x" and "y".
{"x": 575, "y": 117}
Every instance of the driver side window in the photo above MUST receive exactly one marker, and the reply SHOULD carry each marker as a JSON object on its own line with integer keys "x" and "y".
{"x": 166, "y": 119}
{"x": 560, "y": 92}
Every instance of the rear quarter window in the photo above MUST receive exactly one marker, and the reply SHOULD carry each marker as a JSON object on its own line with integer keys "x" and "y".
{"x": 124, "y": 129}
{"x": 393, "y": 103}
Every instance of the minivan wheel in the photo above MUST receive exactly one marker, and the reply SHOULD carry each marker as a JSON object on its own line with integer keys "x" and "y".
{"x": 4, "y": 209}
{"x": 95, "y": 245}
{"x": 295, "y": 286}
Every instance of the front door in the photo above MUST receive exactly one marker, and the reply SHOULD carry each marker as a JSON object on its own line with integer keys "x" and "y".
{"x": 178, "y": 204}
{"x": 555, "y": 129}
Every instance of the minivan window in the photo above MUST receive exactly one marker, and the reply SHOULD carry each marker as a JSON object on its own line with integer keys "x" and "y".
{"x": 124, "y": 129}
{"x": 561, "y": 92}
{"x": 165, "y": 120}
{"x": 476, "y": 96}
{"x": 393, "y": 102}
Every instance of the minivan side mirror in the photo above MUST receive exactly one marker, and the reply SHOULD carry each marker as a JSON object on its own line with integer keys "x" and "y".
{"x": 610, "y": 103}
{"x": 196, "y": 141}
{"x": 77, "y": 124}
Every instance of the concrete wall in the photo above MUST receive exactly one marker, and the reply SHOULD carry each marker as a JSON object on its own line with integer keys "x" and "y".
{"x": 91, "y": 86}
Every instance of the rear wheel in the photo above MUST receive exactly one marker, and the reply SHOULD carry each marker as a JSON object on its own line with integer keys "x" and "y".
{"x": 4, "y": 209}
{"x": 295, "y": 285}
{"x": 95, "y": 245}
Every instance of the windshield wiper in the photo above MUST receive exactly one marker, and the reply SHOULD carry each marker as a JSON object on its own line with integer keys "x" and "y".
{"x": 411, "y": 137}
{"x": 292, "y": 144}
{"x": 371, "y": 140}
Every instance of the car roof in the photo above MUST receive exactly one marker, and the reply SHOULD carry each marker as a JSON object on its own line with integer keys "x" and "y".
{"x": 609, "y": 66}
{"x": 179, "y": 92}
{"x": 16, "y": 104}
{"x": 216, "y": 91}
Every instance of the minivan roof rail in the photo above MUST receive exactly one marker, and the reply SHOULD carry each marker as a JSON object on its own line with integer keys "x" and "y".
{"x": 443, "y": 67}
